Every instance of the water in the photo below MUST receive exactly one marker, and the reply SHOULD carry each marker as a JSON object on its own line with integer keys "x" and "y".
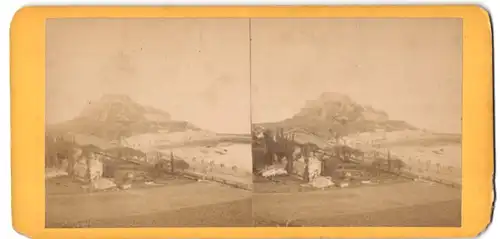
{"x": 229, "y": 154}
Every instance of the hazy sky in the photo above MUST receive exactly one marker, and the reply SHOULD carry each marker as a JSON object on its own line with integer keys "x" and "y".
{"x": 411, "y": 68}
{"x": 199, "y": 69}
{"x": 195, "y": 69}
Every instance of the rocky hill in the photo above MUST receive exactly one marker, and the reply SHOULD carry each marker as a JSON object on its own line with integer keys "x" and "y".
{"x": 334, "y": 113}
{"x": 121, "y": 108}
{"x": 116, "y": 116}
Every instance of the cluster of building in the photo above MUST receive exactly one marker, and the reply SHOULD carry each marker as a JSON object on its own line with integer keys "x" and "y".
{"x": 89, "y": 163}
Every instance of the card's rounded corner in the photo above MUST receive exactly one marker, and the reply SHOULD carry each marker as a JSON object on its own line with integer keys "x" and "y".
{"x": 478, "y": 229}
{"x": 20, "y": 14}
{"x": 482, "y": 13}
{"x": 23, "y": 231}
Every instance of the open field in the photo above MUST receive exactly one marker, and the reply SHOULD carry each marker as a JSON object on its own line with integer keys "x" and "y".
{"x": 381, "y": 205}
{"x": 171, "y": 205}
{"x": 439, "y": 214}
{"x": 235, "y": 214}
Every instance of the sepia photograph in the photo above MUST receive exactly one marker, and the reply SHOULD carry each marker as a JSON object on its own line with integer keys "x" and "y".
{"x": 244, "y": 121}
{"x": 356, "y": 122}
{"x": 340, "y": 122}
{"x": 148, "y": 123}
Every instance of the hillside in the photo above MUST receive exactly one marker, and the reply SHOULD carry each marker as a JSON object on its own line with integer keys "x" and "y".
{"x": 334, "y": 113}
{"x": 336, "y": 119}
{"x": 116, "y": 116}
